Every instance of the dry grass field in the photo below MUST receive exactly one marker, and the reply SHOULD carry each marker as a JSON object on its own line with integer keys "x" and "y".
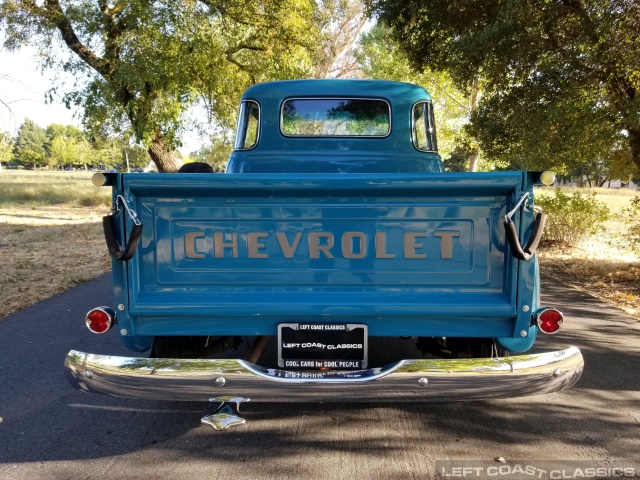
{"x": 604, "y": 265}
{"x": 50, "y": 235}
{"x": 51, "y": 239}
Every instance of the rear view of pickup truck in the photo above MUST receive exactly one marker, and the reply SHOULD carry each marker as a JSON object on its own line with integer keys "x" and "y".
{"x": 334, "y": 238}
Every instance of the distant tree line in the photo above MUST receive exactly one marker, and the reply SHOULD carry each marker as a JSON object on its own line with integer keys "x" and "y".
{"x": 60, "y": 147}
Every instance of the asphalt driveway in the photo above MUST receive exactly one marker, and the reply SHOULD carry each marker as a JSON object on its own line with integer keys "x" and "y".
{"x": 51, "y": 431}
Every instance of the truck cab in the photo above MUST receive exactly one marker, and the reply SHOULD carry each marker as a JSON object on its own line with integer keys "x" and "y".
{"x": 335, "y": 126}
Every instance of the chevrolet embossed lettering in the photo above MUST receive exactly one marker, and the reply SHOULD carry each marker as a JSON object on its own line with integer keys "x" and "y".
{"x": 350, "y": 245}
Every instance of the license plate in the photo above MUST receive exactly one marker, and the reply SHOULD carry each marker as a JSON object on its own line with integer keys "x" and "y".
{"x": 340, "y": 346}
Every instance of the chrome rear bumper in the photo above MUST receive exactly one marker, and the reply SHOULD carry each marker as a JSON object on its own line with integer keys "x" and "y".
{"x": 406, "y": 380}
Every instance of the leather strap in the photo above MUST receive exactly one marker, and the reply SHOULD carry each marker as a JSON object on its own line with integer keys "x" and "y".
{"x": 512, "y": 236}
{"x": 112, "y": 243}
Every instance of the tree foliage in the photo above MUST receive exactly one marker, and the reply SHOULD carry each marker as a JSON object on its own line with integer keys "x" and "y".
{"x": 113, "y": 152}
{"x": 216, "y": 155}
{"x": 560, "y": 78}
{"x": 66, "y": 146}
{"x": 140, "y": 65}
{"x": 341, "y": 23}
{"x": 379, "y": 57}
{"x": 62, "y": 146}
{"x": 30, "y": 144}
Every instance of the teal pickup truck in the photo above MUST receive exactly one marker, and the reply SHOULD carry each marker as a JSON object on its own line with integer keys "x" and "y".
{"x": 334, "y": 244}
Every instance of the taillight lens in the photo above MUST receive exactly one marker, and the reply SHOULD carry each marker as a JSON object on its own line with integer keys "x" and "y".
{"x": 100, "y": 319}
{"x": 550, "y": 321}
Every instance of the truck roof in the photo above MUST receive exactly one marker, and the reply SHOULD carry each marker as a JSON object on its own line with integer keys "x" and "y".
{"x": 392, "y": 91}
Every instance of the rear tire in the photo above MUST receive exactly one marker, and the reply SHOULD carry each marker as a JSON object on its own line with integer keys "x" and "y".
{"x": 453, "y": 347}
{"x": 192, "y": 347}
{"x": 196, "y": 167}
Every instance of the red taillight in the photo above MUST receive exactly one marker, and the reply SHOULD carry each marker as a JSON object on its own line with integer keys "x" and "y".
{"x": 550, "y": 321}
{"x": 100, "y": 319}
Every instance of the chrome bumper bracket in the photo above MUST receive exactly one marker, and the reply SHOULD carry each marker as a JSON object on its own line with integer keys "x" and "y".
{"x": 226, "y": 415}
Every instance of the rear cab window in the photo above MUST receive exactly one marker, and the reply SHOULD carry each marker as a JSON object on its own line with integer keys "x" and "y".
{"x": 335, "y": 117}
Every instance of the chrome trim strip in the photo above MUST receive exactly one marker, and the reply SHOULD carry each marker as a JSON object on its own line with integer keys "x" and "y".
{"x": 406, "y": 380}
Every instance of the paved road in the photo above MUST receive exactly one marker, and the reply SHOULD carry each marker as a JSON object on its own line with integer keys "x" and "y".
{"x": 51, "y": 431}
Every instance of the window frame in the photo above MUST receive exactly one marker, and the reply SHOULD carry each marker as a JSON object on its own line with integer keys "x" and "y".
{"x": 259, "y": 129}
{"x": 431, "y": 124}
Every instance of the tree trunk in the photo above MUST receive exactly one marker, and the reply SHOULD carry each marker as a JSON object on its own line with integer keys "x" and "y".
{"x": 473, "y": 162}
{"x": 473, "y": 106}
{"x": 164, "y": 159}
{"x": 634, "y": 141}
{"x": 581, "y": 177}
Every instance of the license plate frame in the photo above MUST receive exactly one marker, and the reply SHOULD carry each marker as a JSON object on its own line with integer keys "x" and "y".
{"x": 298, "y": 346}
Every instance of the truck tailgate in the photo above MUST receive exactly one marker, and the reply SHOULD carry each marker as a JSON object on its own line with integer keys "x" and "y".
{"x": 405, "y": 254}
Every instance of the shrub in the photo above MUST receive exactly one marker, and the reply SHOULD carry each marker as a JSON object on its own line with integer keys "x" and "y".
{"x": 572, "y": 218}
{"x": 631, "y": 217}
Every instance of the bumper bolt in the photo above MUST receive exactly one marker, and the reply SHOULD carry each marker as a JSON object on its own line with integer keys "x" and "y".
{"x": 220, "y": 381}
{"x": 423, "y": 382}
{"x": 523, "y": 333}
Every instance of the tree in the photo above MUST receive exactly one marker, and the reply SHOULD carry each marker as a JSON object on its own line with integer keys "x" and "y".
{"x": 113, "y": 152}
{"x": 64, "y": 151}
{"x": 29, "y": 148}
{"x": 58, "y": 130}
{"x": 67, "y": 146}
{"x": 217, "y": 154}
{"x": 6, "y": 147}
{"x": 379, "y": 57}
{"x": 559, "y": 77}
{"x": 599, "y": 170}
{"x": 144, "y": 63}
{"x": 341, "y": 23}
{"x": 137, "y": 155}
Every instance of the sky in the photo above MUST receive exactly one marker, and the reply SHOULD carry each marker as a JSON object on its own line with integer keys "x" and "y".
{"x": 22, "y": 91}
